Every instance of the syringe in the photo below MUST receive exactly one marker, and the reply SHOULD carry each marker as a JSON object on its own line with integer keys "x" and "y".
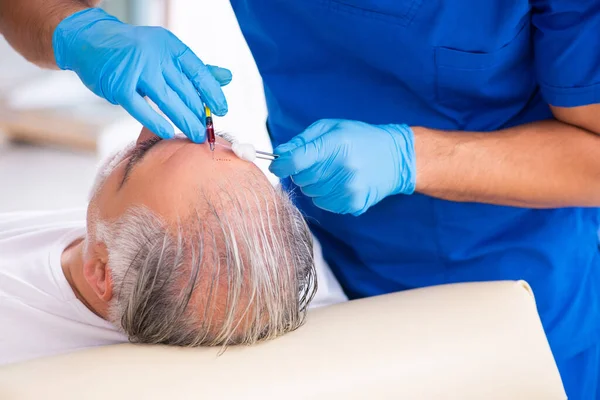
{"x": 210, "y": 131}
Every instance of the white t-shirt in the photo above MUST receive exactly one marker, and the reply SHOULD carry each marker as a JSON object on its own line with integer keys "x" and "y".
{"x": 39, "y": 312}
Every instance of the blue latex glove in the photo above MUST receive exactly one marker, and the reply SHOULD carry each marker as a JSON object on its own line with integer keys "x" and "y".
{"x": 349, "y": 166}
{"x": 124, "y": 63}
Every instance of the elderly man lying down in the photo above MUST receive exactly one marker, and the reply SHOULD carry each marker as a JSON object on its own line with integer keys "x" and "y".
{"x": 182, "y": 247}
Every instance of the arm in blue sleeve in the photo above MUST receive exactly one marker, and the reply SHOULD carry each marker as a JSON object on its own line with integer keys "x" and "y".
{"x": 567, "y": 51}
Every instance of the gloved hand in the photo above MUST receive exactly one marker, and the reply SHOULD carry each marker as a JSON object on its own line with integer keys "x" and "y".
{"x": 124, "y": 63}
{"x": 349, "y": 166}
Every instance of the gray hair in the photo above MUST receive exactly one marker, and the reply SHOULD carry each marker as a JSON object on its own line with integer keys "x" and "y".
{"x": 238, "y": 272}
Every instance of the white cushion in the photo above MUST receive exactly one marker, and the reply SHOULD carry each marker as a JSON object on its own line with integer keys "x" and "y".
{"x": 463, "y": 341}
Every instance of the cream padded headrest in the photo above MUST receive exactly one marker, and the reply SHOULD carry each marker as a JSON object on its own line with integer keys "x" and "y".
{"x": 464, "y": 341}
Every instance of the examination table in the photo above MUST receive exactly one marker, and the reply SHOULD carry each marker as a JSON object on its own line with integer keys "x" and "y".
{"x": 466, "y": 341}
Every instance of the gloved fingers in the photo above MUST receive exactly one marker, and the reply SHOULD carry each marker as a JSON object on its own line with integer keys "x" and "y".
{"x": 174, "y": 108}
{"x": 139, "y": 109}
{"x": 302, "y": 158}
{"x": 222, "y": 75}
{"x": 328, "y": 186}
{"x": 331, "y": 203}
{"x": 204, "y": 81}
{"x": 341, "y": 204}
{"x": 314, "y": 131}
{"x": 306, "y": 177}
{"x": 185, "y": 90}
{"x": 312, "y": 175}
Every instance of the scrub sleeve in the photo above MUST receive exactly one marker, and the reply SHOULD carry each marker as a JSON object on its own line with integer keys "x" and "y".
{"x": 566, "y": 44}
{"x": 567, "y": 51}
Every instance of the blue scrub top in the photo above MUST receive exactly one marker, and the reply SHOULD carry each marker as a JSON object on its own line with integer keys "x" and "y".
{"x": 454, "y": 65}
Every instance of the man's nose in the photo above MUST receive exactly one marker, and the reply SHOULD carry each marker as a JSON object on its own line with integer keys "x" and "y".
{"x": 145, "y": 134}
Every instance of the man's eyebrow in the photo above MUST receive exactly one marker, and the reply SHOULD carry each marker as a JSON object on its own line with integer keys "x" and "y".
{"x": 137, "y": 156}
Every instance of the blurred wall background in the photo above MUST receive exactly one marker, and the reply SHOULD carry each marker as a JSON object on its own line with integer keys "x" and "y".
{"x": 45, "y": 177}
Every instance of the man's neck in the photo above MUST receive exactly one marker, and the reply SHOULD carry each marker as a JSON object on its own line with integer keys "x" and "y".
{"x": 72, "y": 266}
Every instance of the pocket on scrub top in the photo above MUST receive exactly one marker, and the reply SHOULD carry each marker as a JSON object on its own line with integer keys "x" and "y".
{"x": 397, "y": 11}
{"x": 468, "y": 80}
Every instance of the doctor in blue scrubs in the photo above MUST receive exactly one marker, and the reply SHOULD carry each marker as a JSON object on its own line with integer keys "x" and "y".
{"x": 429, "y": 142}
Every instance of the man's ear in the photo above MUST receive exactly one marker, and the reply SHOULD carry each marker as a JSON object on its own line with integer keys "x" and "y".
{"x": 145, "y": 134}
{"x": 96, "y": 272}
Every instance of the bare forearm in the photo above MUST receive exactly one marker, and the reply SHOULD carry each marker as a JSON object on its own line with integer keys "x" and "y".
{"x": 545, "y": 164}
{"x": 28, "y": 25}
